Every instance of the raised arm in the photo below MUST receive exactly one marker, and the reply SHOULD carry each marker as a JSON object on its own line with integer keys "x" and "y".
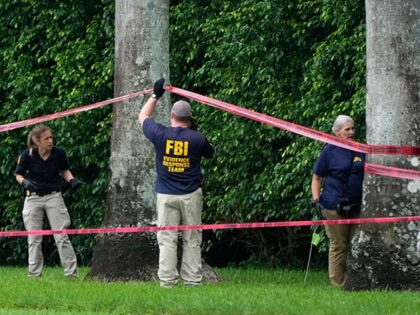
{"x": 149, "y": 107}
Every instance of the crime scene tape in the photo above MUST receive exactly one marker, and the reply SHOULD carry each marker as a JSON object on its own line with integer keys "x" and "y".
{"x": 298, "y": 129}
{"x": 225, "y": 226}
{"x": 384, "y": 170}
{"x": 315, "y": 134}
{"x": 311, "y": 133}
{"x": 272, "y": 121}
{"x": 69, "y": 112}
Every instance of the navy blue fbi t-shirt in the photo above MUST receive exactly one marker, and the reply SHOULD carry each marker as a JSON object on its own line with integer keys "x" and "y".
{"x": 45, "y": 173}
{"x": 178, "y": 155}
{"x": 343, "y": 173}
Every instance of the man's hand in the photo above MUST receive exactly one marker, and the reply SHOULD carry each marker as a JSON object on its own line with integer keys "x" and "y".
{"x": 318, "y": 205}
{"x": 75, "y": 184}
{"x": 158, "y": 89}
{"x": 29, "y": 185}
{"x": 149, "y": 107}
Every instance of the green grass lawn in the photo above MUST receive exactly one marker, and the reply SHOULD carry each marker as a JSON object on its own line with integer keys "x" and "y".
{"x": 244, "y": 291}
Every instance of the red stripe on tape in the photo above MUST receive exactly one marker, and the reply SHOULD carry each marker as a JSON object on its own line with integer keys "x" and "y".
{"x": 311, "y": 133}
{"x": 384, "y": 170}
{"x": 298, "y": 129}
{"x": 69, "y": 112}
{"x": 255, "y": 225}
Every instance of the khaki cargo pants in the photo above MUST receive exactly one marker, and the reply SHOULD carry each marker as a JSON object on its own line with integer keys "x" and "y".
{"x": 176, "y": 210}
{"x": 340, "y": 236}
{"x": 59, "y": 219}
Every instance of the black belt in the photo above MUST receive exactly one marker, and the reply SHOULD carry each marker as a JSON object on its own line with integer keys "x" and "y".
{"x": 41, "y": 193}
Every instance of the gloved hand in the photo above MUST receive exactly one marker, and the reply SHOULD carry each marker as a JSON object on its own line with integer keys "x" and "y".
{"x": 317, "y": 205}
{"x": 75, "y": 184}
{"x": 29, "y": 185}
{"x": 158, "y": 89}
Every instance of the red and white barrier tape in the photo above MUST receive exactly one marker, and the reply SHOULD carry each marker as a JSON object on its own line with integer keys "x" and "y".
{"x": 308, "y": 132}
{"x": 255, "y": 225}
{"x": 298, "y": 129}
{"x": 41, "y": 119}
{"x": 384, "y": 170}
{"x": 315, "y": 134}
{"x": 250, "y": 114}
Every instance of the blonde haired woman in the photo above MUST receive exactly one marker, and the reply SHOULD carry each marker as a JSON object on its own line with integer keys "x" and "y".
{"x": 39, "y": 170}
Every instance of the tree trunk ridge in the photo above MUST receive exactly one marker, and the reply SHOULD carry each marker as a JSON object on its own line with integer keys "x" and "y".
{"x": 141, "y": 56}
{"x": 387, "y": 256}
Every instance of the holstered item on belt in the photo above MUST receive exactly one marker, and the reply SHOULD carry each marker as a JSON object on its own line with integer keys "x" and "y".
{"x": 40, "y": 193}
{"x": 347, "y": 209}
{"x": 27, "y": 193}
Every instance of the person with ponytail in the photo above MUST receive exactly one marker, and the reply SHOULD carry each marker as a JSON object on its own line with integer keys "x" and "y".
{"x": 40, "y": 170}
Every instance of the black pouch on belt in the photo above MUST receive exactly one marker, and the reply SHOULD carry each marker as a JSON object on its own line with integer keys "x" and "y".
{"x": 347, "y": 209}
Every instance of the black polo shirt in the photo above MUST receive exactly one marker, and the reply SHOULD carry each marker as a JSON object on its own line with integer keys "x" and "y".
{"x": 46, "y": 173}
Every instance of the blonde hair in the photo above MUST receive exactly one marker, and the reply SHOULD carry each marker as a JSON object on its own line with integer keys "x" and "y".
{"x": 340, "y": 121}
{"x": 35, "y": 135}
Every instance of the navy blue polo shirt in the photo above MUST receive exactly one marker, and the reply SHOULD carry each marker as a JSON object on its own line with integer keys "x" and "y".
{"x": 178, "y": 155}
{"x": 343, "y": 173}
{"x": 46, "y": 173}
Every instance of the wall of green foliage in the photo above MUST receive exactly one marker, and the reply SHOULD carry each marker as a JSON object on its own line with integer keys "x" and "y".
{"x": 301, "y": 61}
{"x": 56, "y": 55}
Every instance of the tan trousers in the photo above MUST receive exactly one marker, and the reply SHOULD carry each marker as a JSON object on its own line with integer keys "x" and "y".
{"x": 59, "y": 219}
{"x": 176, "y": 210}
{"x": 340, "y": 236}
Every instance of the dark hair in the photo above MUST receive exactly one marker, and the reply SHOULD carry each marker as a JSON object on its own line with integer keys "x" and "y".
{"x": 35, "y": 135}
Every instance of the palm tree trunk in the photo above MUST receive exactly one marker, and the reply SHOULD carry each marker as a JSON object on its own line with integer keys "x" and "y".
{"x": 388, "y": 255}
